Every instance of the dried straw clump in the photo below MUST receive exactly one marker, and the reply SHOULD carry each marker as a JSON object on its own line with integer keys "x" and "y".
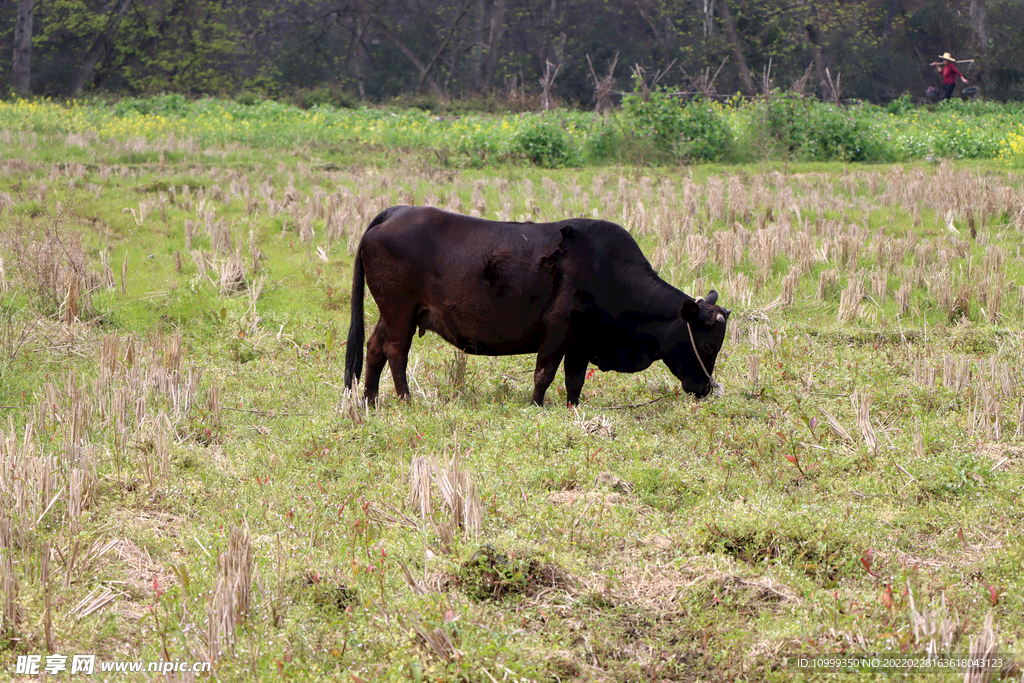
{"x": 862, "y": 406}
{"x": 437, "y": 642}
{"x": 44, "y": 575}
{"x": 850, "y": 300}
{"x": 458, "y": 493}
{"x": 789, "y": 285}
{"x": 903, "y": 299}
{"x": 828, "y": 284}
{"x": 598, "y": 425}
{"x": 986, "y": 664}
{"x": 992, "y": 282}
{"x": 232, "y": 275}
{"x": 420, "y": 478}
{"x": 728, "y": 247}
{"x": 30, "y": 487}
{"x": 10, "y": 612}
{"x": 306, "y": 229}
{"x": 455, "y": 371}
{"x": 933, "y": 626}
{"x": 353, "y": 404}
{"x": 82, "y": 486}
{"x": 51, "y": 265}
{"x": 231, "y": 601}
{"x": 132, "y": 378}
{"x": 754, "y": 369}
{"x": 993, "y": 381}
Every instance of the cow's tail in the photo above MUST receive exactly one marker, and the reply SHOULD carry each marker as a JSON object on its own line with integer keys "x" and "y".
{"x": 356, "y": 328}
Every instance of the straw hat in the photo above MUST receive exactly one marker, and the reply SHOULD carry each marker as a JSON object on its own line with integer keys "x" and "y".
{"x": 948, "y": 57}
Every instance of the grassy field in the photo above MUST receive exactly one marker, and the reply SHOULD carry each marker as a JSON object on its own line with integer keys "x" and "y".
{"x": 185, "y": 480}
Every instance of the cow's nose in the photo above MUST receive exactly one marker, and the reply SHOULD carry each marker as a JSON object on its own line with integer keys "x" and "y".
{"x": 697, "y": 390}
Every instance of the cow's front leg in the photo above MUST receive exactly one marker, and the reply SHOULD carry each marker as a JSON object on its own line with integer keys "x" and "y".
{"x": 544, "y": 374}
{"x": 575, "y": 375}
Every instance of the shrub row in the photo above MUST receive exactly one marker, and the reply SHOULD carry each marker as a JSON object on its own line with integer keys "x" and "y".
{"x": 656, "y": 128}
{"x": 660, "y": 129}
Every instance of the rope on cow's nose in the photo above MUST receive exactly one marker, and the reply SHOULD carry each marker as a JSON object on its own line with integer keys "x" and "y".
{"x": 694, "y": 345}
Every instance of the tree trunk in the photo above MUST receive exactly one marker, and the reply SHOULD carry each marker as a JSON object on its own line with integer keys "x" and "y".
{"x": 477, "y": 44}
{"x": 99, "y": 46}
{"x": 21, "y": 66}
{"x": 656, "y": 17}
{"x": 979, "y": 25}
{"x": 352, "y": 58}
{"x": 357, "y": 68}
{"x": 887, "y": 27}
{"x": 444, "y": 45}
{"x": 709, "y": 17}
{"x": 495, "y": 36}
{"x": 746, "y": 82}
{"x": 814, "y": 38}
{"x": 425, "y": 71}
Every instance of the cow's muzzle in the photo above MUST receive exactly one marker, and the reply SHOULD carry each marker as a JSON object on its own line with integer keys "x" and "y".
{"x": 703, "y": 390}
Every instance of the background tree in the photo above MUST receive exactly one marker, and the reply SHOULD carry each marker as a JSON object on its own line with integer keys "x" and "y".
{"x": 101, "y": 45}
{"x": 350, "y": 50}
{"x": 21, "y": 67}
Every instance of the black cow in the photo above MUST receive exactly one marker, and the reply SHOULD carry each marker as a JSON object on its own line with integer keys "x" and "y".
{"x": 578, "y": 289}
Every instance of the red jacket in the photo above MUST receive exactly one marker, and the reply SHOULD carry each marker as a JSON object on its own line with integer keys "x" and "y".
{"x": 949, "y": 73}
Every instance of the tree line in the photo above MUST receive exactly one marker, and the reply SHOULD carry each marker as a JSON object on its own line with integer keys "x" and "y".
{"x": 541, "y": 52}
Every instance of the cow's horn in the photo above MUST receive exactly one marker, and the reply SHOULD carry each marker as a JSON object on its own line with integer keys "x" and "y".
{"x": 720, "y": 318}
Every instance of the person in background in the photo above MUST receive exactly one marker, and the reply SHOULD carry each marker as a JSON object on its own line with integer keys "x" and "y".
{"x": 949, "y": 74}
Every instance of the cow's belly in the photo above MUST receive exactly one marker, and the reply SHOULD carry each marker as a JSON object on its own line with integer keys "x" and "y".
{"x": 486, "y": 321}
{"x": 482, "y": 334}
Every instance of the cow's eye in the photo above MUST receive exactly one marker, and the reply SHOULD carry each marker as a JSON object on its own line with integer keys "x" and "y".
{"x": 708, "y": 348}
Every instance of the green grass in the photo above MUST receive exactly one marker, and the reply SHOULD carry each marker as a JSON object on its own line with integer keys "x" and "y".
{"x": 645, "y": 537}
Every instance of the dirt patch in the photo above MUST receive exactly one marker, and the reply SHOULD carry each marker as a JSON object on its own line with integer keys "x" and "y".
{"x": 1003, "y": 457}
{"x": 663, "y": 588}
{"x": 651, "y": 624}
{"x": 142, "y": 570}
{"x": 614, "y": 482}
{"x": 220, "y": 462}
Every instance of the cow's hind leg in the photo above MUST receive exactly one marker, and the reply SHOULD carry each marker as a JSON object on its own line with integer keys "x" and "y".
{"x": 575, "y": 375}
{"x": 375, "y": 360}
{"x": 397, "y": 342}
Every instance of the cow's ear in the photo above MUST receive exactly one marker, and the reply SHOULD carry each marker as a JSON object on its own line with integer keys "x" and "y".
{"x": 711, "y": 298}
{"x": 690, "y": 311}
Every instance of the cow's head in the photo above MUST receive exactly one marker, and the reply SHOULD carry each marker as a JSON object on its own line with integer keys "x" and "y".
{"x": 702, "y": 333}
